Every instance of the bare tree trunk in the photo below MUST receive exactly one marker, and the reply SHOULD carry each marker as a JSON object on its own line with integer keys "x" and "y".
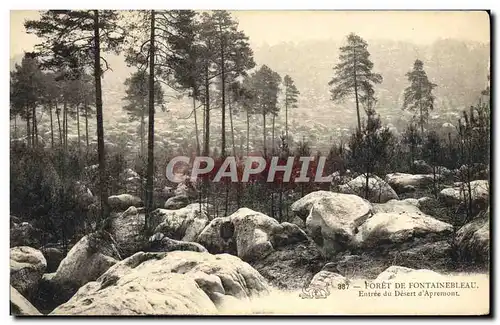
{"x": 223, "y": 80}
{"x": 28, "y": 128}
{"x": 51, "y": 127}
{"x": 206, "y": 148}
{"x": 87, "y": 124}
{"x": 103, "y": 183}
{"x": 232, "y": 126}
{"x": 78, "y": 126}
{"x": 264, "y": 132}
{"x": 15, "y": 127}
{"x": 286, "y": 120}
{"x": 151, "y": 121}
{"x": 356, "y": 93}
{"x": 143, "y": 136}
{"x": 272, "y": 134}
{"x": 248, "y": 131}
{"x": 196, "y": 125}
{"x": 35, "y": 128}
{"x": 58, "y": 115}
{"x": 65, "y": 123}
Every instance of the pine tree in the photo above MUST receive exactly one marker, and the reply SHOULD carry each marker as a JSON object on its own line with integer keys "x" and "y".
{"x": 137, "y": 98}
{"x": 418, "y": 96}
{"x": 266, "y": 84}
{"x": 74, "y": 39}
{"x": 291, "y": 94}
{"x": 353, "y": 74}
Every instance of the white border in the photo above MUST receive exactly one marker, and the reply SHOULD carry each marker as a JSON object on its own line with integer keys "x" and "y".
{"x": 197, "y": 4}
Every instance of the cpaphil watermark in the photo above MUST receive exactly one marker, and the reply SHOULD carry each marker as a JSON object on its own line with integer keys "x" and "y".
{"x": 292, "y": 169}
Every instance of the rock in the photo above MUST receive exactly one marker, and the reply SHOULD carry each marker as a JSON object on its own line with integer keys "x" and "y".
{"x": 86, "y": 261}
{"x": 123, "y": 201}
{"x": 160, "y": 243}
{"x": 177, "y": 283}
{"x": 401, "y": 182}
{"x": 327, "y": 278}
{"x": 421, "y": 167}
{"x": 393, "y": 228}
{"x": 405, "y": 274}
{"x": 398, "y": 206}
{"x": 453, "y": 196}
{"x": 302, "y": 207}
{"x": 473, "y": 240}
{"x": 476, "y": 171}
{"x": 332, "y": 222}
{"x": 177, "y": 202}
{"x": 27, "y": 266}
{"x": 252, "y": 234}
{"x": 20, "y": 306}
{"x": 24, "y": 234}
{"x": 378, "y": 190}
{"x": 182, "y": 224}
{"x": 127, "y": 229}
{"x": 292, "y": 266}
{"x": 53, "y": 256}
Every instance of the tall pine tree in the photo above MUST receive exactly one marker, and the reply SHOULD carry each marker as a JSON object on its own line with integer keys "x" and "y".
{"x": 353, "y": 74}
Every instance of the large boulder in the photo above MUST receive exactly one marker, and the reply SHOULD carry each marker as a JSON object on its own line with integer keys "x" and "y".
{"x": 251, "y": 235}
{"x": 27, "y": 266}
{"x": 333, "y": 222}
{"x": 182, "y": 224}
{"x": 123, "y": 201}
{"x": 176, "y": 283}
{"x": 401, "y": 182}
{"x": 479, "y": 190}
{"x": 127, "y": 229}
{"x": 473, "y": 240}
{"x": 24, "y": 234}
{"x": 302, "y": 207}
{"x": 391, "y": 229}
{"x": 378, "y": 190}
{"x": 20, "y": 306}
{"x": 177, "y": 202}
{"x": 398, "y": 206}
{"x": 87, "y": 260}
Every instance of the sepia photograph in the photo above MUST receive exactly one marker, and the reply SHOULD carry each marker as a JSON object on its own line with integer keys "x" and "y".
{"x": 168, "y": 162}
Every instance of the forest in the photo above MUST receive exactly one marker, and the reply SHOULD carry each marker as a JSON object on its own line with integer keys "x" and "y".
{"x": 74, "y": 177}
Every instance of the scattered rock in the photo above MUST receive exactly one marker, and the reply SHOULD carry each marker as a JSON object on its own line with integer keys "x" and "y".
{"x": 378, "y": 190}
{"x": 27, "y": 266}
{"x": 404, "y": 274}
{"x": 123, "y": 201}
{"x": 302, "y": 207}
{"x": 177, "y": 202}
{"x": 403, "y": 183}
{"x": 473, "y": 240}
{"x": 458, "y": 194}
{"x": 127, "y": 229}
{"x": 20, "y": 306}
{"x": 182, "y": 224}
{"x": 421, "y": 167}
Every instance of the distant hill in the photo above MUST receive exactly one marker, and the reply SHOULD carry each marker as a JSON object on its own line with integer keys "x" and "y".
{"x": 459, "y": 69}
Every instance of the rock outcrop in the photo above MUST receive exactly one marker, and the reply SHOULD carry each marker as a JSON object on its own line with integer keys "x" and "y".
{"x": 20, "y": 306}
{"x": 174, "y": 283}
{"x": 27, "y": 266}
{"x": 378, "y": 190}
{"x": 123, "y": 201}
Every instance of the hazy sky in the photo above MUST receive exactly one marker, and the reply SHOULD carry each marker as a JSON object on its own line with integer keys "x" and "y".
{"x": 273, "y": 27}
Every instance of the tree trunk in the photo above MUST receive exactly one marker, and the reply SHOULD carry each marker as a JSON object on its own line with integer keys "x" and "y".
{"x": 15, "y": 127}
{"x": 151, "y": 122}
{"x": 223, "y": 80}
{"x": 142, "y": 131}
{"x": 78, "y": 126}
{"x": 272, "y": 134}
{"x": 286, "y": 120}
{"x": 65, "y": 109}
{"x": 87, "y": 124}
{"x": 248, "y": 130}
{"x": 232, "y": 126}
{"x": 196, "y": 125}
{"x": 206, "y": 148}
{"x": 35, "y": 130}
{"x": 264, "y": 132}
{"x": 58, "y": 115}
{"x": 103, "y": 184}
{"x": 51, "y": 127}
{"x": 28, "y": 127}
{"x": 357, "y": 100}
